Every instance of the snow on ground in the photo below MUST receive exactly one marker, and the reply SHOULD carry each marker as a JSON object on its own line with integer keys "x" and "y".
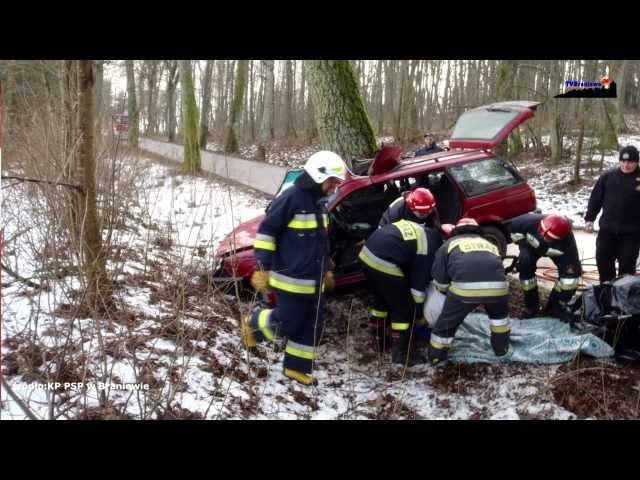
{"x": 182, "y": 339}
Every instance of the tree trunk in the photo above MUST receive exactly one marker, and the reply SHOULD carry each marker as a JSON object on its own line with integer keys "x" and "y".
{"x": 402, "y": 85}
{"x": 70, "y": 125}
{"x": 579, "y": 143}
{"x": 379, "y": 99}
{"x": 340, "y": 115}
{"x": 252, "y": 104}
{"x": 619, "y": 77}
{"x": 231, "y": 143}
{"x": 99, "y": 96}
{"x": 206, "y": 104}
{"x": 266, "y": 125}
{"x": 300, "y": 109}
{"x": 151, "y": 78}
{"x": 555, "y": 116}
{"x": 192, "y": 161}
{"x": 289, "y": 130}
{"x": 172, "y": 80}
{"x": 94, "y": 260}
{"x": 132, "y": 106}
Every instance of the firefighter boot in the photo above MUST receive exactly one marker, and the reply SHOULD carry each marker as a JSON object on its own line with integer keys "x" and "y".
{"x": 402, "y": 352}
{"x": 531, "y": 303}
{"x": 557, "y": 305}
{"x": 303, "y": 378}
{"x": 437, "y": 354}
{"x": 605, "y": 297}
{"x": 500, "y": 342}
{"x": 248, "y": 337}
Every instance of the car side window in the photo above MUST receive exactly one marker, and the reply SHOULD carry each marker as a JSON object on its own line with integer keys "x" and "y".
{"x": 476, "y": 178}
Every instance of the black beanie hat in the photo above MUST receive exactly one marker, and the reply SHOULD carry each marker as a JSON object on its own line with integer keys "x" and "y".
{"x": 630, "y": 153}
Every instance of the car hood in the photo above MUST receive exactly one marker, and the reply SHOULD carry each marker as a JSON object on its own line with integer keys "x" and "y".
{"x": 240, "y": 238}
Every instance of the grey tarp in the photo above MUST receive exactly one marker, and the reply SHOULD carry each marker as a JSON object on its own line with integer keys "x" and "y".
{"x": 534, "y": 340}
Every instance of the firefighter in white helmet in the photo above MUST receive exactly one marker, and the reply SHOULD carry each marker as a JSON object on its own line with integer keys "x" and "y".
{"x": 292, "y": 256}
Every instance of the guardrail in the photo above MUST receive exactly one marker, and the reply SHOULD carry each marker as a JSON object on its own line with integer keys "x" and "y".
{"x": 260, "y": 176}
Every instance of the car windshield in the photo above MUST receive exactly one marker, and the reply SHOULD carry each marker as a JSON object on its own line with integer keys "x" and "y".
{"x": 289, "y": 178}
{"x": 484, "y": 176}
{"x": 482, "y": 124}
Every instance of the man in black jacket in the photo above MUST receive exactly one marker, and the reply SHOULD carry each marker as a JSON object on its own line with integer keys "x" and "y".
{"x": 617, "y": 193}
{"x": 429, "y": 146}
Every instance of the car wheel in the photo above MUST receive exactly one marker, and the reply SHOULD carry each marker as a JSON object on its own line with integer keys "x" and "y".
{"x": 495, "y": 236}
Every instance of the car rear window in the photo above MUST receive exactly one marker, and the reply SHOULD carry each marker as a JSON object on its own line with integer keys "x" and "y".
{"x": 484, "y": 176}
{"x": 482, "y": 124}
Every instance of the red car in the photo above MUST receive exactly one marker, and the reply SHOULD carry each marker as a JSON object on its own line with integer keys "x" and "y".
{"x": 467, "y": 181}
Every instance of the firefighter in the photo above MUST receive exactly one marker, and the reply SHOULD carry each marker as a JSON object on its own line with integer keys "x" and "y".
{"x": 468, "y": 268}
{"x": 418, "y": 206}
{"x": 396, "y": 260}
{"x": 617, "y": 193}
{"x": 546, "y": 235}
{"x": 292, "y": 256}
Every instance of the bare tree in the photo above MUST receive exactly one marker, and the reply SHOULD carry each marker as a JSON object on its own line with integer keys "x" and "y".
{"x": 192, "y": 161}
{"x": 172, "y": 81}
{"x": 134, "y": 119}
{"x": 94, "y": 258}
{"x": 231, "y": 143}
{"x": 266, "y": 125}
{"x": 206, "y": 103}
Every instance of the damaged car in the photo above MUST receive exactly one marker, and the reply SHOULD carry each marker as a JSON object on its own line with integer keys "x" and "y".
{"x": 468, "y": 180}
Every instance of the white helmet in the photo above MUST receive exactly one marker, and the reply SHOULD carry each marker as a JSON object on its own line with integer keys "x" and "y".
{"x": 325, "y": 164}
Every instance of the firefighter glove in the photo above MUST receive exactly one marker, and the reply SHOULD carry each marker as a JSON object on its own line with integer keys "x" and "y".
{"x": 260, "y": 280}
{"x": 329, "y": 281}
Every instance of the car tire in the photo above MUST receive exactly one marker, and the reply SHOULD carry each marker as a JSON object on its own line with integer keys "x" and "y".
{"x": 495, "y": 236}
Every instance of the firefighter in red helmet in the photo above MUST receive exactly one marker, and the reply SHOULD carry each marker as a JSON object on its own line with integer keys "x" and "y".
{"x": 468, "y": 268}
{"x": 546, "y": 235}
{"x": 418, "y": 206}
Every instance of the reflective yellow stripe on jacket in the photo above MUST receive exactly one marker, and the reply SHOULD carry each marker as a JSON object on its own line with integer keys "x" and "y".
{"x": 265, "y": 242}
{"x": 378, "y": 263}
{"x": 302, "y": 221}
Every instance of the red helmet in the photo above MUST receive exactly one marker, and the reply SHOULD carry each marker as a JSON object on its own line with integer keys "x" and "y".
{"x": 554, "y": 227}
{"x": 421, "y": 202}
{"x": 466, "y": 221}
{"x": 465, "y": 225}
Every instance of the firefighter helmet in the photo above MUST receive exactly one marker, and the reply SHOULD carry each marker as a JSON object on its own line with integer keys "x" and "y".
{"x": 554, "y": 227}
{"x": 325, "y": 164}
{"x": 465, "y": 225}
{"x": 421, "y": 202}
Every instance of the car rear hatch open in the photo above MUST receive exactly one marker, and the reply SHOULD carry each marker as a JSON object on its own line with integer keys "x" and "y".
{"x": 485, "y": 127}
